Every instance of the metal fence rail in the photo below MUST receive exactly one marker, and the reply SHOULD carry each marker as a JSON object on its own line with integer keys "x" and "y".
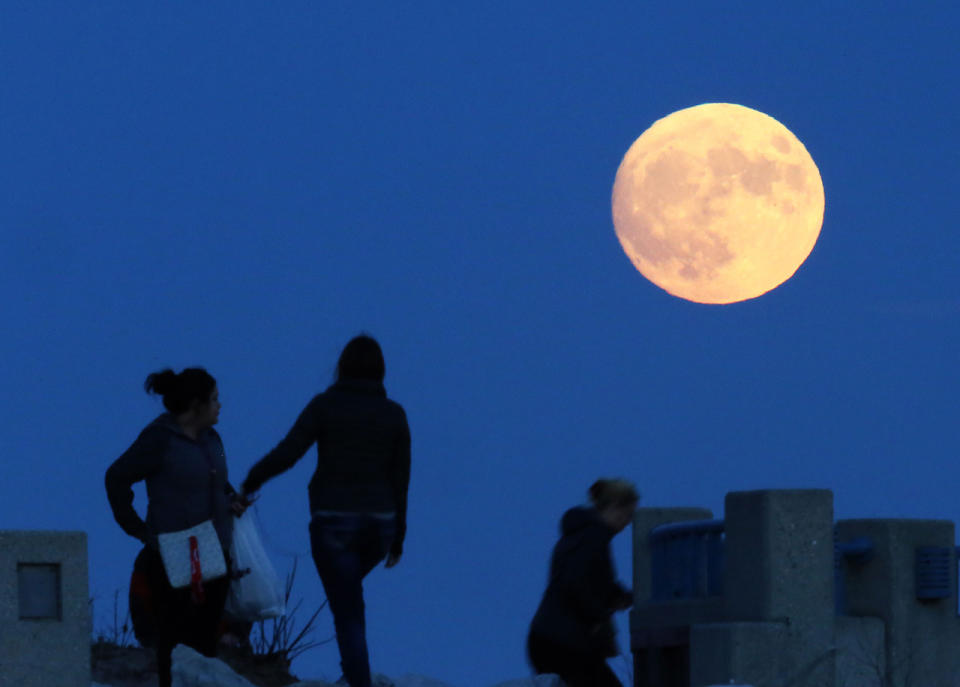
{"x": 687, "y": 560}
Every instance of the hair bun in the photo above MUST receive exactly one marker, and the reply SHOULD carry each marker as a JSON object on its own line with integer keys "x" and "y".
{"x": 161, "y": 383}
{"x": 179, "y": 391}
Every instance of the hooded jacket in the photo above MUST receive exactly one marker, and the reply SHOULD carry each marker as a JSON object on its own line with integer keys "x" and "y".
{"x": 582, "y": 593}
{"x": 363, "y": 452}
{"x": 186, "y": 482}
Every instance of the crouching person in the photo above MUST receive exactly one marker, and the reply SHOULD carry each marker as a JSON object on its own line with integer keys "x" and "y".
{"x": 572, "y": 633}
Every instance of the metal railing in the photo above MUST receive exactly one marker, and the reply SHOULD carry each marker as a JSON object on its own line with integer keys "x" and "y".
{"x": 687, "y": 560}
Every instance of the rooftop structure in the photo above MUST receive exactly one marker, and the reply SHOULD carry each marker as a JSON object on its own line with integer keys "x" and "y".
{"x": 778, "y": 594}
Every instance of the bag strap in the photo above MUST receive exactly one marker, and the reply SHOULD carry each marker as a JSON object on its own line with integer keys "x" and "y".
{"x": 196, "y": 573}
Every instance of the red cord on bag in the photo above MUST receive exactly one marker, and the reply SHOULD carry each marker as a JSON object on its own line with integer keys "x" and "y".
{"x": 196, "y": 574}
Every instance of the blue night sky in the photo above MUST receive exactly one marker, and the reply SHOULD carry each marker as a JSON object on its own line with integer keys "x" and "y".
{"x": 245, "y": 186}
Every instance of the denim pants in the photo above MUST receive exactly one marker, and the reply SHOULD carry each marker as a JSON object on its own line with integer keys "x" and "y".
{"x": 346, "y": 547}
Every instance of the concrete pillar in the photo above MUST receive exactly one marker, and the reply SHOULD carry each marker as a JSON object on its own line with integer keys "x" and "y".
{"x": 44, "y": 609}
{"x": 738, "y": 652}
{"x": 921, "y": 636}
{"x": 779, "y": 569}
{"x": 861, "y": 659}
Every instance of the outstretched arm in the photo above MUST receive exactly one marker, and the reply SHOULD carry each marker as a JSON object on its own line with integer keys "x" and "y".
{"x": 305, "y": 431}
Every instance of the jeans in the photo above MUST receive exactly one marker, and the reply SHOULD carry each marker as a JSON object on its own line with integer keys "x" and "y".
{"x": 345, "y": 548}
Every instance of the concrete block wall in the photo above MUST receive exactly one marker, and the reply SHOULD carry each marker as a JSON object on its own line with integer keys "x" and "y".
{"x": 47, "y": 652}
{"x": 921, "y": 637}
{"x": 725, "y": 652}
{"x": 778, "y": 623}
{"x": 861, "y": 651}
{"x": 775, "y": 620}
{"x": 779, "y": 569}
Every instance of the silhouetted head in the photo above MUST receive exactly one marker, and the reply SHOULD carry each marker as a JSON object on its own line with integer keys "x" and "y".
{"x": 616, "y": 500}
{"x": 193, "y": 390}
{"x": 361, "y": 359}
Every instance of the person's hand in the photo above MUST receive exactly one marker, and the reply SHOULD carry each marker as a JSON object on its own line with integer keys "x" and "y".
{"x": 625, "y": 601}
{"x": 240, "y": 503}
{"x": 393, "y": 557}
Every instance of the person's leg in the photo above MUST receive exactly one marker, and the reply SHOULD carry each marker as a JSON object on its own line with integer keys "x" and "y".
{"x": 203, "y": 630}
{"x": 341, "y": 572}
{"x": 574, "y": 668}
{"x": 548, "y": 658}
{"x": 539, "y": 654}
{"x": 601, "y": 675}
{"x": 166, "y": 615}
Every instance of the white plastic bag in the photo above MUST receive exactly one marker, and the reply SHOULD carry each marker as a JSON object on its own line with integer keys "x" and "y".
{"x": 255, "y": 592}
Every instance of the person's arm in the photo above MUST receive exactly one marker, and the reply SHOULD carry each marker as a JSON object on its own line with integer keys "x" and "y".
{"x": 401, "y": 484}
{"x": 597, "y": 593}
{"x": 305, "y": 431}
{"x": 142, "y": 459}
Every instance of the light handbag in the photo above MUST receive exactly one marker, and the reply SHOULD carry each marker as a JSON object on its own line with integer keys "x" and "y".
{"x": 193, "y": 555}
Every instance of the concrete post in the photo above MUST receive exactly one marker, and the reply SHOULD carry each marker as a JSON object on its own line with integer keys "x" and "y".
{"x": 921, "y": 636}
{"x": 779, "y": 569}
{"x": 44, "y": 609}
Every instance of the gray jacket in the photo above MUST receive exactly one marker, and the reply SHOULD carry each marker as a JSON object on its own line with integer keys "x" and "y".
{"x": 186, "y": 482}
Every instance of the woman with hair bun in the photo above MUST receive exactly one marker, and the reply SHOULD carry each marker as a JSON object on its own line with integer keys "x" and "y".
{"x": 181, "y": 458}
{"x": 572, "y": 633}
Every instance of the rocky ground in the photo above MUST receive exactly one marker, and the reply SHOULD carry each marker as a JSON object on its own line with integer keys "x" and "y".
{"x": 137, "y": 667}
{"x": 116, "y": 666}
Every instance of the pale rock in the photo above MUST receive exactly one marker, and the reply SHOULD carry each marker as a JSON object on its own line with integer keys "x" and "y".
{"x": 192, "y": 669}
{"x": 538, "y": 681}
{"x": 414, "y": 681}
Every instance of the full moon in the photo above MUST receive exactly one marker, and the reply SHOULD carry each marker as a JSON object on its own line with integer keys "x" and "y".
{"x": 717, "y": 203}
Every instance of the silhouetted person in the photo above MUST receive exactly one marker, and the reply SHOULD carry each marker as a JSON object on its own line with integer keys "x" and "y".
{"x": 181, "y": 458}
{"x": 572, "y": 633}
{"x": 358, "y": 493}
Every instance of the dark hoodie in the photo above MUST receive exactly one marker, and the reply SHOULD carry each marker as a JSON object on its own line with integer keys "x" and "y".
{"x": 363, "y": 452}
{"x": 583, "y": 593}
{"x": 186, "y": 482}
